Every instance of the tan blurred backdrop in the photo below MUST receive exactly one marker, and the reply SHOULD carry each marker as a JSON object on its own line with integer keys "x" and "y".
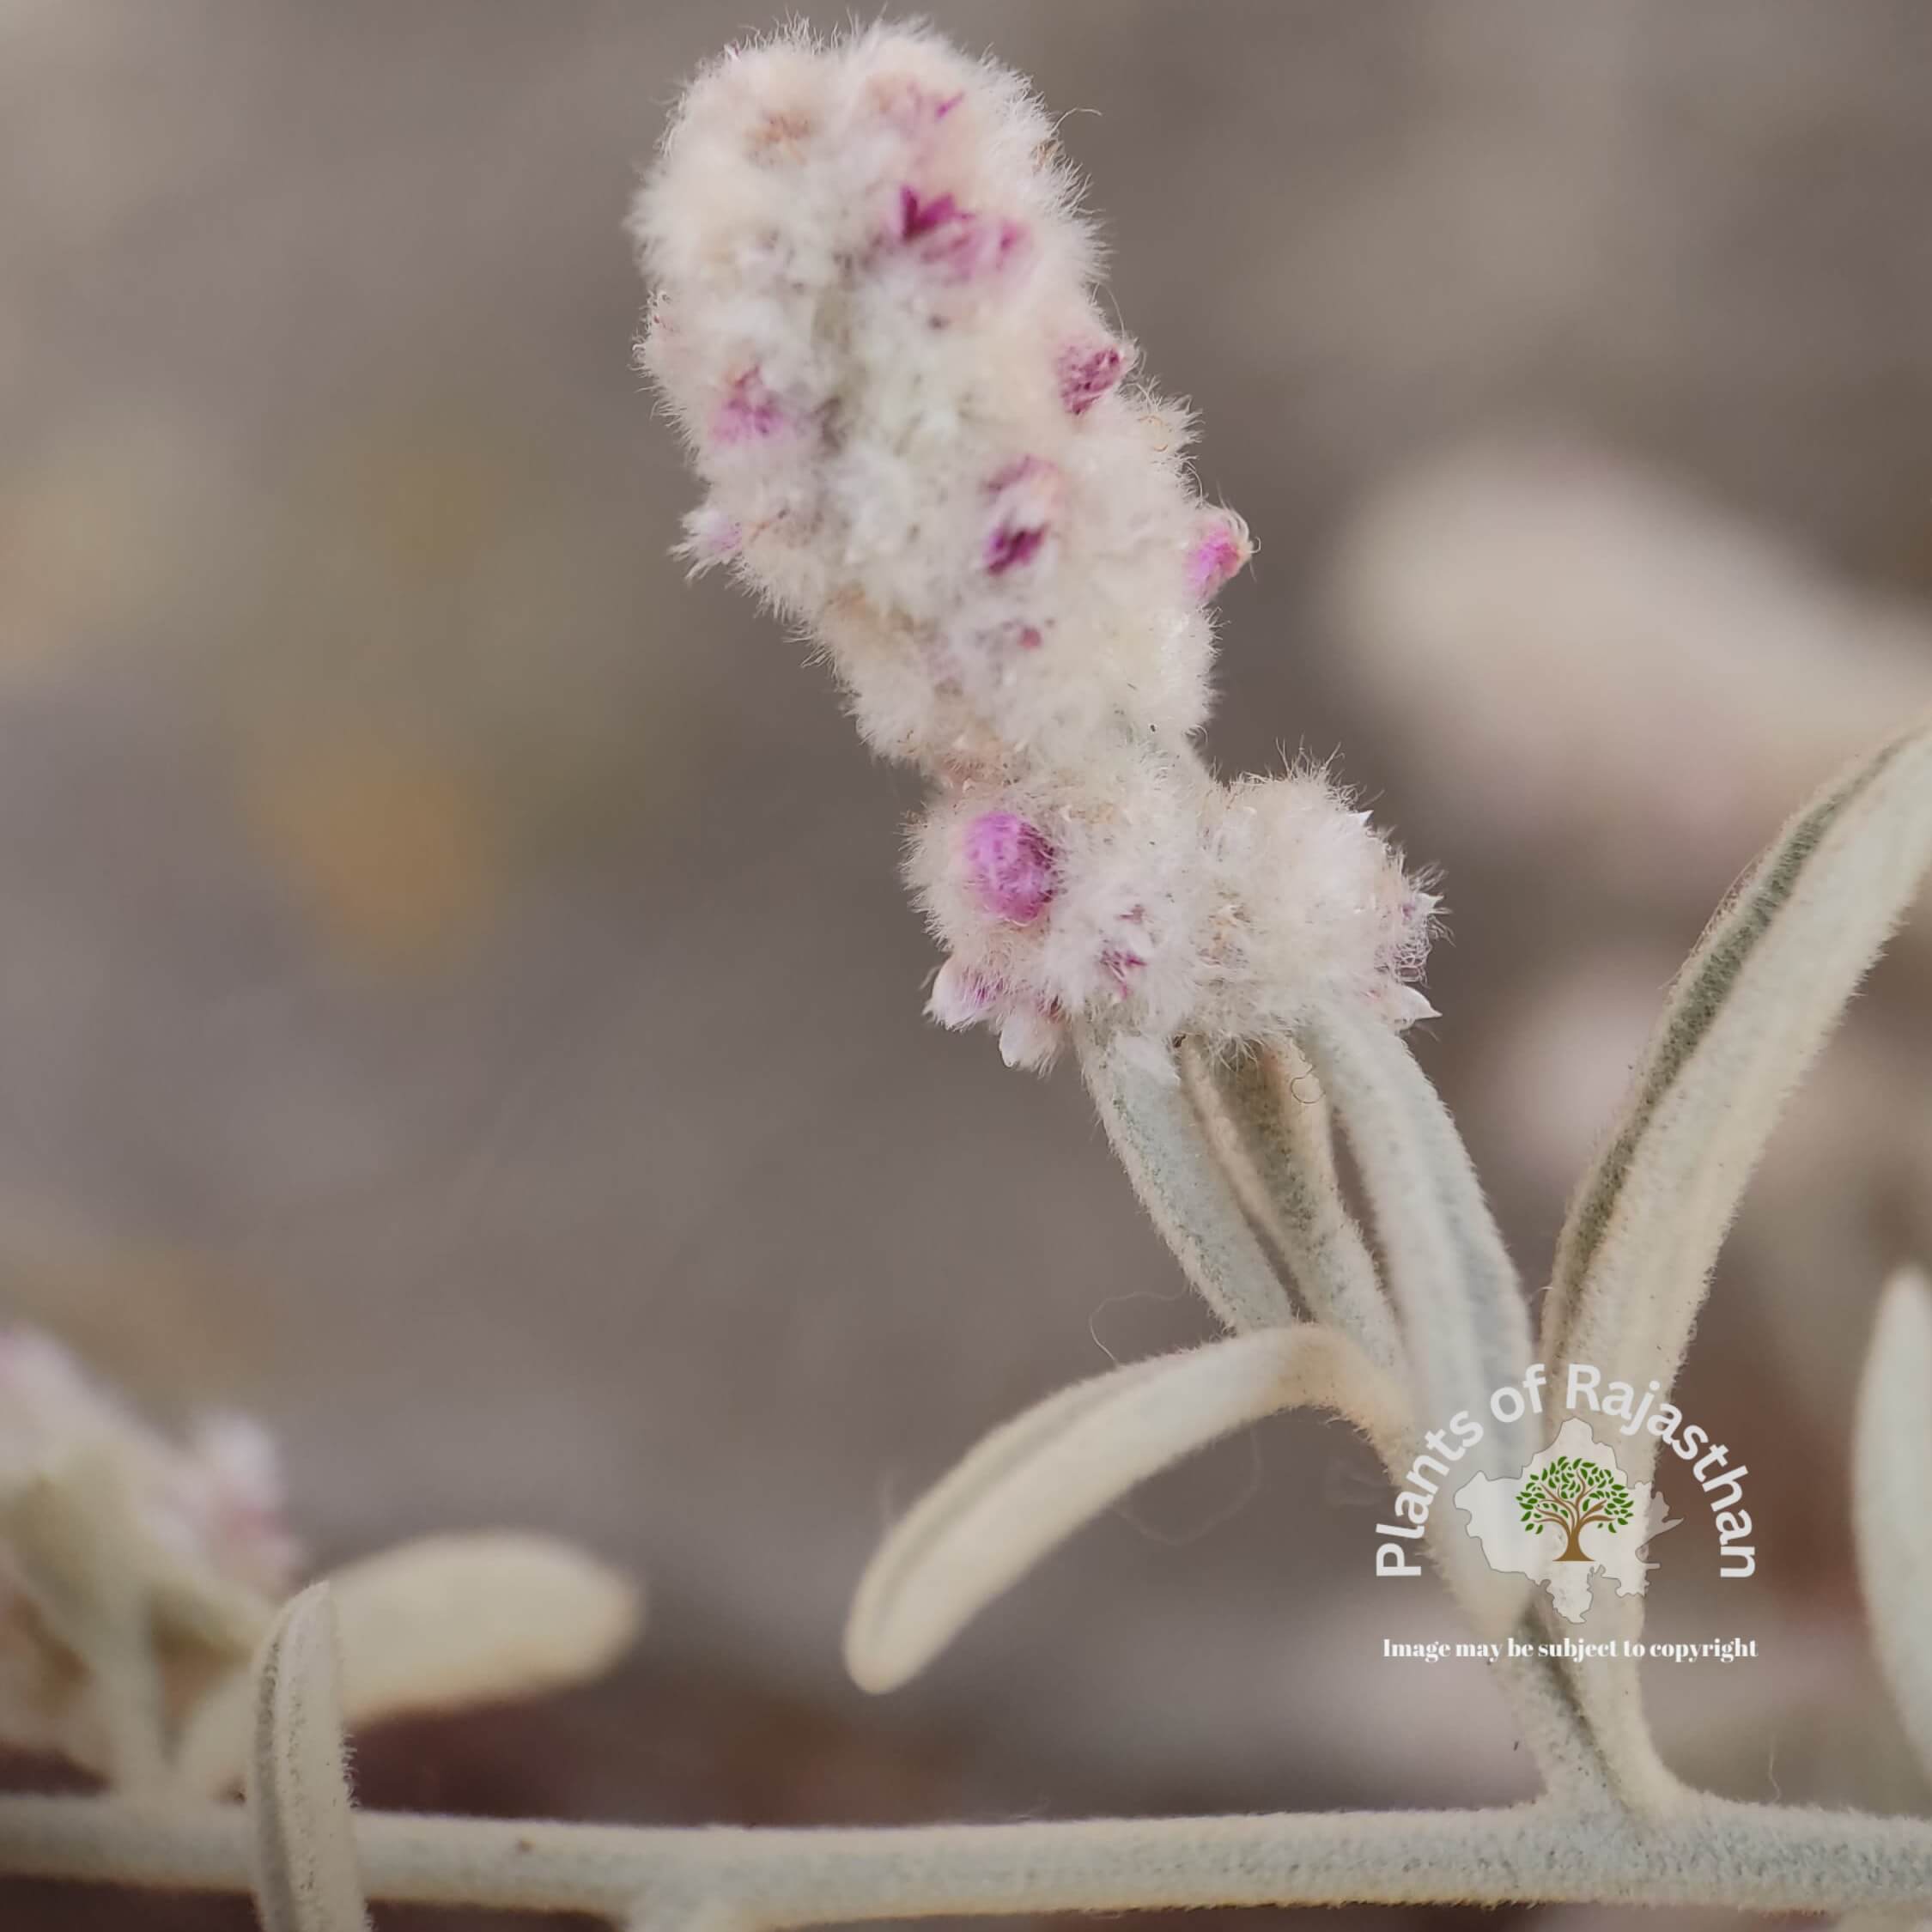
{"x": 455, "y": 999}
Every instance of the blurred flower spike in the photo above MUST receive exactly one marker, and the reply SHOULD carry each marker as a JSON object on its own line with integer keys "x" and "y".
{"x": 138, "y": 1576}
{"x": 130, "y": 1566}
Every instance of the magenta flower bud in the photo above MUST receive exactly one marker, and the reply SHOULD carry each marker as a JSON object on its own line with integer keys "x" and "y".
{"x": 996, "y": 245}
{"x": 1120, "y": 965}
{"x": 1011, "y": 543}
{"x": 921, "y": 214}
{"x": 1217, "y": 555}
{"x": 959, "y": 242}
{"x": 1010, "y": 866}
{"x": 1025, "y": 496}
{"x": 972, "y": 247}
{"x": 748, "y": 413}
{"x": 1087, "y": 374}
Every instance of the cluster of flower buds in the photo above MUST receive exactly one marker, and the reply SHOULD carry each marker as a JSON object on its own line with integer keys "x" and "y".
{"x": 113, "y": 1536}
{"x": 874, "y": 318}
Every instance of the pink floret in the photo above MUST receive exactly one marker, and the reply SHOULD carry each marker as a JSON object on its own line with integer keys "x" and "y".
{"x": 748, "y": 413}
{"x": 1010, "y": 545}
{"x": 960, "y": 242}
{"x": 1086, "y": 374}
{"x": 918, "y": 217}
{"x": 974, "y": 246}
{"x": 1119, "y": 965}
{"x": 1026, "y": 493}
{"x": 1216, "y": 558}
{"x": 1010, "y": 865}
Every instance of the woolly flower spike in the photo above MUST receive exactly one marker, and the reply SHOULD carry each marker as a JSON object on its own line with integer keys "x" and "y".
{"x": 116, "y": 1545}
{"x": 874, "y": 318}
{"x": 1143, "y": 894}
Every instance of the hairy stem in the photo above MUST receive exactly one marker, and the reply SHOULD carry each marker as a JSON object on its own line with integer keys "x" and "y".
{"x": 1709, "y": 1852}
{"x": 1552, "y": 1723}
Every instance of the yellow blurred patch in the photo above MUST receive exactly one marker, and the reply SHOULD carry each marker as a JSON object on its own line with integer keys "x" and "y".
{"x": 390, "y": 845}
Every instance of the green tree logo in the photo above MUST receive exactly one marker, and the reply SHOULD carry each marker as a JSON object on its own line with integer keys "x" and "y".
{"x": 1570, "y": 1494}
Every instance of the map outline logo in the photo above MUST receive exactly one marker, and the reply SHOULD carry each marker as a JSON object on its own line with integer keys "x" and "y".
{"x": 1571, "y": 1515}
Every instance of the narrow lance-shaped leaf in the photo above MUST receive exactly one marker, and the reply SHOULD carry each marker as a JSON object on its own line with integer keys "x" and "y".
{"x": 1747, "y": 1014}
{"x": 304, "y": 1836}
{"x": 1267, "y": 1118}
{"x": 1466, "y": 1326}
{"x": 1159, "y": 1139}
{"x": 1035, "y": 1481}
{"x": 1696, "y": 997}
{"x": 1746, "y": 1017}
{"x": 1891, "y": 1496}
{"x": 439, "y": 1624}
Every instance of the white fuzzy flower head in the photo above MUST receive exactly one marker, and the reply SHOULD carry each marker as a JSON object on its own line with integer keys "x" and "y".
{"x": 111, "y": 1535}
{"x": 874, "y": 318}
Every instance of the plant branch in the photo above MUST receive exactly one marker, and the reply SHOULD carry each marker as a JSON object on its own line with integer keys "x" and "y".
{"x": 1711, "y": 1852}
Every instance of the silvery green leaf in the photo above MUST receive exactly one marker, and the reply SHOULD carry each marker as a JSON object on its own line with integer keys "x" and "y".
{"x": 1749, "y": 1011}
{"x": 1036, "y": 1479}
{"x": 1158, "y": 1137}
{"x": 1455, "y": 1287}
{"x": 1892, "y": 1499}
{"x": 439, "y": 1624}
{"x": 1267, "y": 1118}
{"x": 1464, "y": 1327}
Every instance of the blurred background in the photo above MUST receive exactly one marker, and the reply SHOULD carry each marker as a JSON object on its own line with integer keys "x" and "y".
{"x": 455, "y": 998}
